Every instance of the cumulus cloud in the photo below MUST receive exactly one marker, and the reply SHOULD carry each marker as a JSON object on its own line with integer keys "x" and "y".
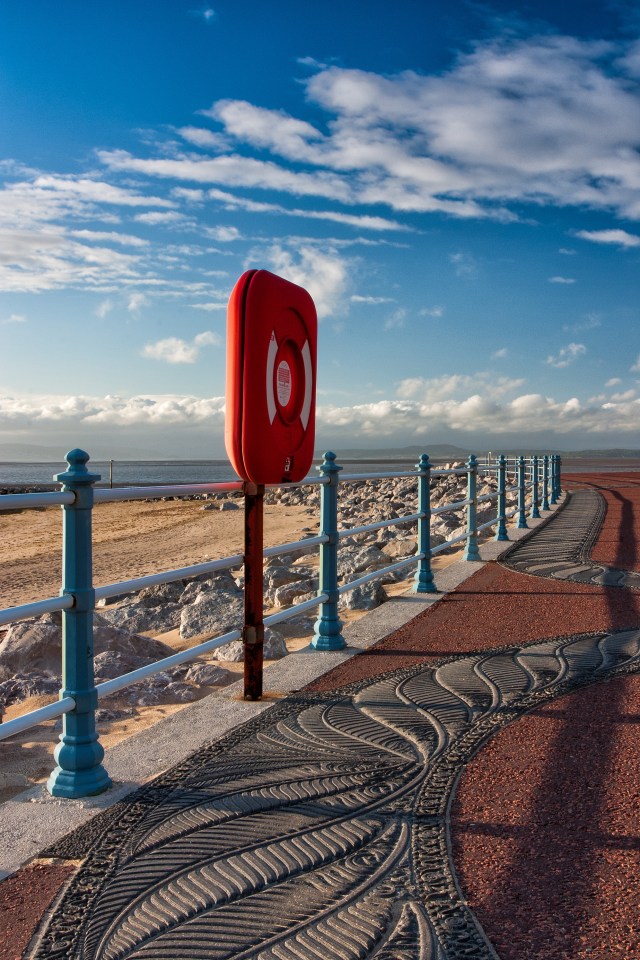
{"x": 621, "y": 238}
{"x": 636, "y": 366}
{"x": 567, "y": 355}
{"x": 567, "y": 280}
{"x": 500, "y": 354}
{"x": 176, "y": 350}
{"x": 613, "y": 382}
{"x": 136, "y": 302}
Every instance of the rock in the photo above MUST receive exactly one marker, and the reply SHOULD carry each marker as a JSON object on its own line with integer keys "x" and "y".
{"x": 367, "y": 596}
{"x": 400, "y": 548}
{"x": 274, "y": 648}
{"x": 36, "y": 645}
{"x": 208, "y": 674}
{"x": 143, "y": 618}
{"x": 363, "y": 560}
{"x": 24, "y": 685}
{"x": 212, "y": 613}
{"x": 291, "y": 593}
{"x": 229, "y": 505}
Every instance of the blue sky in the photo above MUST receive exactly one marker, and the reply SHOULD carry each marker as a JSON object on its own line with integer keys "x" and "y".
{"x": 456, "y": 184}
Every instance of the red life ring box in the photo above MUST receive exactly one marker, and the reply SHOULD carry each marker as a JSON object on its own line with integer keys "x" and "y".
{"x": 272, "y": 333}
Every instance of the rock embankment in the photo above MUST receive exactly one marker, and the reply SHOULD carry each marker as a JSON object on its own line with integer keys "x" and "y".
{"x": 211, "y": 605}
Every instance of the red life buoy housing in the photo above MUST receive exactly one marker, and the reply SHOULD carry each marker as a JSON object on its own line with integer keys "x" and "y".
{"x": 272, "y": 333}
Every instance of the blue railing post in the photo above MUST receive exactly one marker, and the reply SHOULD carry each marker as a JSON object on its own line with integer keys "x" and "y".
{"x": 328, "y": 626}
{"x": 522, "y": 512}
{"x": 79, "y": 754}
{"x": 423, "y": 582}
{"x": 553, "y": 483}
{"x": 535, "y": 496}
{"x": 471, "y": 551}
{"x": 545, "y": 483}
{"x": 559, "y": 477}
{"x": 501, "y": 532}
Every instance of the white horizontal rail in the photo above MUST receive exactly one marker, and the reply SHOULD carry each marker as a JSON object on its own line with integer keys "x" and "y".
{"x": 376, "y": 574}
{"x": 168, "y": 576}
{"x": 127, "y": 679}
{"x": 36, "y": 609}
{"x": 298, "y": 545}
{"x": 30, "y": 501}
{"x": 488, "y": 496}
{"x": 380, "y": 476}
{"x": 489, "y": 523}
{"x": 51, "y": 712}
{"x": 291, "y": 612}
{"x": 458, "y": 471}
{"x": 450, "y": 507}
{"x": 158, "y": 492}
{"x": 379, "y": 525}
{"x": 449, "y": 543}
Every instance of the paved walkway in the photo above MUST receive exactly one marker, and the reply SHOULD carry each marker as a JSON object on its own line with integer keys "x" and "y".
{"x": 436, "y": 797}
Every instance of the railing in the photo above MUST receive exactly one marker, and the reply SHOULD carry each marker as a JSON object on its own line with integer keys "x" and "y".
{"x": 79, "y": 754}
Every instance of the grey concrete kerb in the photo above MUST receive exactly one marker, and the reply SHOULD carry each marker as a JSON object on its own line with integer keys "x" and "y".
{"x": 34, "y": 820}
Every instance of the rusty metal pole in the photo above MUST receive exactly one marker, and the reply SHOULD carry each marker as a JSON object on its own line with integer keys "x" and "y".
{"x": 253, "y": 632}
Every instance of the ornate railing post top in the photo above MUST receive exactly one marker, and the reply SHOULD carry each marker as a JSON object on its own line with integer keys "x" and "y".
{"x": 329, "y": 464}
{"x": 502, "y": 460}
{"x": 424, "y": 463}
{"x": 521, "y": 460}
{"x": 77, "y": 473}
{"x": 472, "y": 461}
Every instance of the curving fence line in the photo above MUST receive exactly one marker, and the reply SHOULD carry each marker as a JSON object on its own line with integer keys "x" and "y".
{"x": 79, "y": 755}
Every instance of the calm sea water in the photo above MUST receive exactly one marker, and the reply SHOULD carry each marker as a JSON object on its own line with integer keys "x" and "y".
{"x": 143, "y": 472}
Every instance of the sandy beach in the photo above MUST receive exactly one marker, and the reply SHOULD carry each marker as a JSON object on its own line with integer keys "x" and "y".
{"x": 131, "y": 539}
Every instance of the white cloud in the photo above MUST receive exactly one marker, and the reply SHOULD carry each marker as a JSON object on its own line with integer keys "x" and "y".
{"x": 396, "y": 320}
{"x": 223, "y": 234}
{"x": 211, "y": 305}
{"x": 620, "y": 237}
{"x": 465, "y": 264}
{"x": 203, "y": 138}
{"x": 613, "y": 382}
{"x": 567, "y": 355}
{"x": 567, "y": 280}
{"x": 500, "y": 354}
{"x": 372, "y": 301}
{"x": 175, "y": 350}
{"x": 154, "y": 218}
{"x": 125, "y": 239}
{"x": 435, "y": 312}
{"x": 636, "y": 366}
{"x": 322, "y": 272}
{"x": 104, "y": 308}
{"x": 590, "y": 322}
{"x": 136, "y": 302}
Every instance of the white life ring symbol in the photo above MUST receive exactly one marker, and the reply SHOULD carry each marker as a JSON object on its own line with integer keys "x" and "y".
{"x": 272, "y": 408}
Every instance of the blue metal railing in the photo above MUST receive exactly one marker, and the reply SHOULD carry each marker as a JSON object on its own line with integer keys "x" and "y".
{"x": 79, "y": 754}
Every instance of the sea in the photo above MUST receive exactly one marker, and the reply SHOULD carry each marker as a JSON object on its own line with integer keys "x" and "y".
{"x": 124, "y": 473}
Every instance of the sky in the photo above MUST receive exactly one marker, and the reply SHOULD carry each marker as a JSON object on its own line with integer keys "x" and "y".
{"x": 457, "y": 184}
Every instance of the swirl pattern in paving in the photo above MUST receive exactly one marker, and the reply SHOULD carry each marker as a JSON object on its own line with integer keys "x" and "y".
{"x": 319, "y": 829}
{"x": 561, "y": 549}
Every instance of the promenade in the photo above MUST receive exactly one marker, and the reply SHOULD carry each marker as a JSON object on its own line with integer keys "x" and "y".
{"x": 467, "y": 785}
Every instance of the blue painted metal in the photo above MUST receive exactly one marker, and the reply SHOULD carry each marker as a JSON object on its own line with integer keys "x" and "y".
{"x": 79, "y": 754}
{"x": 423, "y": 581}
{"x": 559, "y": 477}
{"x": 501, "y": 532}
{"x": 545, "y": 483}
{"x": 535, "y": 498}
{"x": 471, "y": 551}
{"x": 553, "y": 481}
{"x": 328, "y": 626}
{"x": 522, "y": 511}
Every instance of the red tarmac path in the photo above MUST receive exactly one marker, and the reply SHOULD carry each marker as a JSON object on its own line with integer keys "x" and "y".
{"x": 546, "y": 821}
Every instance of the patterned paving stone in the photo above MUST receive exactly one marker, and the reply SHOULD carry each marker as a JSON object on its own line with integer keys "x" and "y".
{"x": 319, "y": 829}
{"x": 560, "y": 548}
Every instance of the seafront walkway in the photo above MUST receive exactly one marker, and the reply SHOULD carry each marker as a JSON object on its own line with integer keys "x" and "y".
{"x": 467, "y": 785}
